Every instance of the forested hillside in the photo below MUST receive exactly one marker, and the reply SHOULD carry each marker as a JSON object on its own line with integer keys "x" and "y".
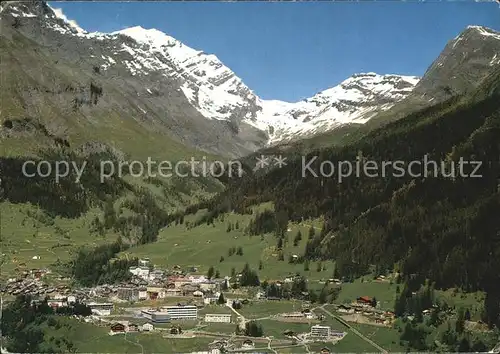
{"x": 444, "y": 228}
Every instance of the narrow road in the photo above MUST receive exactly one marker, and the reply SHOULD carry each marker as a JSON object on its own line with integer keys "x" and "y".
{"x": 269, "y": 346}
{"x": 354, "y": 330}
{"x": 307, "y": 348}
{"x": 239, "y": 314}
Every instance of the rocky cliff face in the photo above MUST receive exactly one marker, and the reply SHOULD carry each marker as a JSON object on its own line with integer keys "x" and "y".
{"x": 464, "y": 62}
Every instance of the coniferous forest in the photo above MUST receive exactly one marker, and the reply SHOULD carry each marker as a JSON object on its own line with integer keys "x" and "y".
{"x": 444, "y": 228}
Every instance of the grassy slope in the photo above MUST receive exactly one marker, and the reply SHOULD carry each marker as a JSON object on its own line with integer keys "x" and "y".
{"x": 27, "y": 70}
{"x": 204, "y": 245}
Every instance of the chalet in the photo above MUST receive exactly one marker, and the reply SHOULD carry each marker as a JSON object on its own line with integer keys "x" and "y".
{"x": 173, "y": 292}
{"x": 198, "y": 293}
{"x": 55, "y": 303}
{"x": 217, "y": 345}
{"x": 155, "y": 293}
{"x": 293, "y": 315}
{"x": 247, "y": 344}
{"x": 132, "y": 327}
{"x": 178, "y": 281}
{"x": 365, "y": 300}
{"x": 345, "y": 309}
{"x": 189, "y": 289}
{"x": 117, "y": 328}
{"x": 175, "y": 330}
{"x": 309, "y": 315}
{"x": 142, "y": 294}
{"x": 147, "y": 327}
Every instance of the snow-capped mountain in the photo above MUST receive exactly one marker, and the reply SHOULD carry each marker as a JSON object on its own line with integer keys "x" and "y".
{"x": 355, "y": 100}
{"x": 217, "y": 93}
{"x": 208, "y": 105}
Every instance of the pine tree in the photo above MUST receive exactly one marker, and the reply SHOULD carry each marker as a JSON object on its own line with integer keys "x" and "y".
{"x": 297, "y": 239}
{"x": 323, "y": 296}
{"x": 311, "y": 233}
{"x": 467, "y": 315}
{"x": 211, "y": 272}
{"x": 460, "y": 323}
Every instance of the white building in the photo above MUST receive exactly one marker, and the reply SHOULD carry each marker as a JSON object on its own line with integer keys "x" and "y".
{"x": 293, "y": 315}
{"x": 148, "y": 327}
{"x": 143, "y": 294}
{"x": 310, "y": 315}
{"x": 141, "y": 272}
{"x": 208, "y": 286}
{"x": 156, "y": 316}
{"x": 337, "y": 334}
{"x": 198, "y": 279}
{"x": 218, "y": 317}
{"x": 188, "y": 312}
{"x": 320, "y": 331}
{"x": 144, "y": 262}
{"x": 156, "y": 274}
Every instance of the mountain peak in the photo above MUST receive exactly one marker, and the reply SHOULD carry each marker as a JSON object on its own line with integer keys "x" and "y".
{"x": 150, "y": 36}
{"x": 475, "y": 30}
{"x": 461, "y": 65}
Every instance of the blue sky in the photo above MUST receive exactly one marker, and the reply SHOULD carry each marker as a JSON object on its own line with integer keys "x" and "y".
{"x": 292, "y": 50}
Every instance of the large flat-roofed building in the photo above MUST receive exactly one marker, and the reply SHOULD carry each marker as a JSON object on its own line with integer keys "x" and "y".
{"x": 102, "y": 309}
{"x": 218, "y": 317}
{"x": 320, "y": 331}
{"x": 156, "y": 316}
{"x": 188, "y": 312}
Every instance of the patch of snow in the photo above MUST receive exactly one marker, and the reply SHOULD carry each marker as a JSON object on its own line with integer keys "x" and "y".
{"x": 72, "y": 23}
{"x": 485, "y": 32}
{"x": 494, "y": 60}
